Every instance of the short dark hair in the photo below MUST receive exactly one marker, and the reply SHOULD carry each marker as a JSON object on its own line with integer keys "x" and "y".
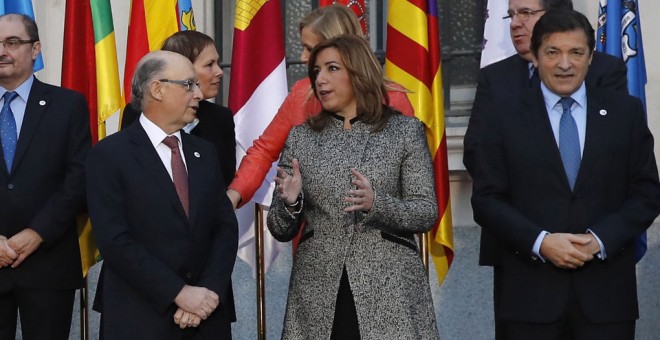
{"x": 557, "y": 4}
{"x": 557, "y": 21}
{"x": 366, "y": 77}
{"x": 188, "y": 43}
{"x": 29, "y": 24}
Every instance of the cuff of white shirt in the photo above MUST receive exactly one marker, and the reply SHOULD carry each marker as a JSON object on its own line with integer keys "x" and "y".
{"x": 536, "y": 250}
{"x": 602, "y": 255}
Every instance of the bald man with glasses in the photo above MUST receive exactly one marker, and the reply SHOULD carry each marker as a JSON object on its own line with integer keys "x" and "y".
{"x": 163, "y": 223}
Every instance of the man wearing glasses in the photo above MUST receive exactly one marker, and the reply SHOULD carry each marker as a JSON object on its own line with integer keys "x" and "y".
{"x": 163, "y": 223}
{"x": 45, "y": 137}
{"x": 512, "y": 78}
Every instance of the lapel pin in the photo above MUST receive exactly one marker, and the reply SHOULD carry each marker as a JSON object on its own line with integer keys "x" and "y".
{"x": 196, "y": 154}
{"x": 602, "y": 112}
{"x": 42, "y": 102}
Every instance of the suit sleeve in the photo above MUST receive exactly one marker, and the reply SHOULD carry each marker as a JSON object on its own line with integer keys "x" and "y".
{"x": 216, "y": 275}
{"x": 491, "y": 194}
{"x": 416, "y": 210}
{"x": 642, "y": 202}
{"x": 121, "y": 252}
{"x": 54, "y": 219}
{"x": 482, "y": 101}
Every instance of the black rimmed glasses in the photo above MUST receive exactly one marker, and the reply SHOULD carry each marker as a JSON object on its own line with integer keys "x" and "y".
{"x": 14, "y": 43}
{"x": 188, "y": 84}
{"x": 523, "y": 14}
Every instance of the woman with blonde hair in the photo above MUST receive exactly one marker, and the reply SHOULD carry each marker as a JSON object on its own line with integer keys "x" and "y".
{"x": 359, "y": 176}
{"x": 319, "y": 25}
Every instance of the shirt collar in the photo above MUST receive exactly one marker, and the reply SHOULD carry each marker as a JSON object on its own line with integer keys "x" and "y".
{"x": 155, "y": 133}
{"x": 551, "y": 98}
{"x": 22, "y": 90}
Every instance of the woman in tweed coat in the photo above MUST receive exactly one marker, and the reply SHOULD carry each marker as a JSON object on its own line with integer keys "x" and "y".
{"x": 360, "y": 177}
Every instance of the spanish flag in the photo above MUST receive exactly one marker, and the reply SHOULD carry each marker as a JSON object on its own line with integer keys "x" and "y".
{"x": 413, "y": 60}
{"x": 151, "y": 22}
{"x": 89, "y": 66}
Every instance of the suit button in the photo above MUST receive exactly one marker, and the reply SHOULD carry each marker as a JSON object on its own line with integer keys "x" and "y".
{"x": 10, "y": 186}
{"x": 188, "y": 276}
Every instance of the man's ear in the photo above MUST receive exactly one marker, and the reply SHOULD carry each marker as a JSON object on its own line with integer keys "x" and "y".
{"x": 36, "y": 49}
{"x": 156, "y": 90}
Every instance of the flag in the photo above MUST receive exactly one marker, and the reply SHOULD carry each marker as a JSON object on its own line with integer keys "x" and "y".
{"x": 21, "y": 7}
{"x": 151, "y": 22}
{"x": 497, "y": 43}
{"x": 89, "y": 66}
{"x": 413, "y": 60}
{"x": 257, "y": 88}
{"x": 357, "y": 6}
{"x": 620, "y": 34}
{"x": 184, "y": 16}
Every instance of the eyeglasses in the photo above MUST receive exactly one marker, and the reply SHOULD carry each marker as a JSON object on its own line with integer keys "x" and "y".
{"x": 188, "y": 84}
{"x": 522, "y": 15}
{"x": 13, "y": 43}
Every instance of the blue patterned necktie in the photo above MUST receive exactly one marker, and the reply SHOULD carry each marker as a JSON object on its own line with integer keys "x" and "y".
{"x": 569, "y": 141}
{"x": 8, "y": 129}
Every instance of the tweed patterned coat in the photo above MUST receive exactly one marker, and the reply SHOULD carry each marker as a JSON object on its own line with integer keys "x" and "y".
{"x": 390, "y": 287}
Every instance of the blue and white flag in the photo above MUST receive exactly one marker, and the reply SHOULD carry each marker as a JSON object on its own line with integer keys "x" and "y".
{"x": 21, "y": 7}
{"x": 620, "y": 34}
{"x": 497, "y": 43}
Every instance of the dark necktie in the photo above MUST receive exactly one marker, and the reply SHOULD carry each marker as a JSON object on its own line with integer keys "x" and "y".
{"x": 534, "y": 78}
{"x": 8, "y": 131}
{"x": 179, "y": 173}
{"x": 569, "y": 141}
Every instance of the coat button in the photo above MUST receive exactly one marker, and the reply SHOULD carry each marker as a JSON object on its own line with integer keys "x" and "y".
{"x": 188, "y": 275}
{"x": 10, "y": 186}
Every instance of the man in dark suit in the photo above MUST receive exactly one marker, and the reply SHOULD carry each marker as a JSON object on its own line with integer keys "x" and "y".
{"x": 510, "y": 79}
{"x": 512, "y": 76}
{"x": 161, "y": 218}
{"x": 45, "y": 138}
{"x": 565, "y": 178}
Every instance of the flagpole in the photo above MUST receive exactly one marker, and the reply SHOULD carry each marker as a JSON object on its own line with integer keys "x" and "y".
{"x": 84, "y": 317}
{"x": 259, "y": 256}
{"x": 424, "y": 249}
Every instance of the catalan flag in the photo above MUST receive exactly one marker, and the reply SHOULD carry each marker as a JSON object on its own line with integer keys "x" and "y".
{"x": 620, "y": 34}
{"x": 257, "y": 88}
{"x": 89, "y": 66}
{"x": 151, "y": 22}
{"x": 357, "y": 6}
{"x": 413, "y": 60}
{"x": 21, "y": 7}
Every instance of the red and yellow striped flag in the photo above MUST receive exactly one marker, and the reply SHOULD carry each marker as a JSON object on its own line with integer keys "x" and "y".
{"x": 151, "y": 22}
{"x": 89, "y": 41}
{"x": 413, "y": 60}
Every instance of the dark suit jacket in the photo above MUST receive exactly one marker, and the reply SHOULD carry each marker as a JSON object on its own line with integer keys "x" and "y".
{"x": 520, "y": 189}
{"x": 46, "y": 188}
{"x": 216, "y": 125}
{"x": 150, "y": 248}
{"x": 509, "y": 80}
